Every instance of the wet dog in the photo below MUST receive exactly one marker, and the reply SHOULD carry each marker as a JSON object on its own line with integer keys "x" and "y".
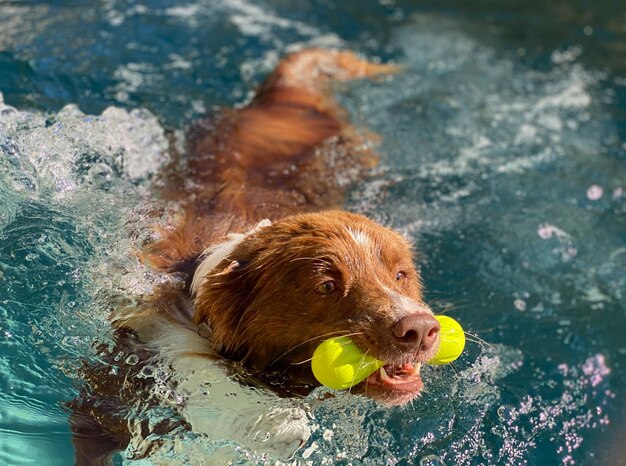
{"x": 270, "y": 267}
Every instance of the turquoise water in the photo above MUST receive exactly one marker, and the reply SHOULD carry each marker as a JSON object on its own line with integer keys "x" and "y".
{"x": 504, "y": 159}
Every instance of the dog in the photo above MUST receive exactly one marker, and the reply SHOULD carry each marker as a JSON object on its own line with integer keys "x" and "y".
{"x": 270, "y": 265}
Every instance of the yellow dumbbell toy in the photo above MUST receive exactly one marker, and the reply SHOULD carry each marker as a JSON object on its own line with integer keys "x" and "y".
{"x": 339, "y": 363}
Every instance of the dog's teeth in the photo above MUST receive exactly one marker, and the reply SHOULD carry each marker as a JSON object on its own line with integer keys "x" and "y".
{"x": 383, "y": 375}
{"x": 416, "y": 368}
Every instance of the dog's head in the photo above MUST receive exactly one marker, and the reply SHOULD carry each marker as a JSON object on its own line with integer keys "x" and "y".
{"x": 290, "y": 285}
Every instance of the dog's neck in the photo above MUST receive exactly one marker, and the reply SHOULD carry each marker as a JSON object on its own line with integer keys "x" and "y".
{"x": 216, "y": 253}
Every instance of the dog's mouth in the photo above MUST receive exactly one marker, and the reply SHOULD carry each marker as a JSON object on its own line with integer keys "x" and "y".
{"x": 397, "y": 379}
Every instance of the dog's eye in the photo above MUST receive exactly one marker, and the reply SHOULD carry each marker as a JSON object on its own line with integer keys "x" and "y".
{"x": 326, "y": 288}
{"x": 400, "y": 276}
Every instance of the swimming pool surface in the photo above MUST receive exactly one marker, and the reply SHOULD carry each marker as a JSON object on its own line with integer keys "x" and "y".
{"x": 503, "y": 158}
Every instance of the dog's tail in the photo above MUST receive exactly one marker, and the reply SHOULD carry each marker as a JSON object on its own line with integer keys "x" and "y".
{"x": 292, "y": 112}
{"x": 314, "y": 69}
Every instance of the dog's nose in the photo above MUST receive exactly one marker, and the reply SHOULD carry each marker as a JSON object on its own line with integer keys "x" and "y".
{"x": 416, "y": 332}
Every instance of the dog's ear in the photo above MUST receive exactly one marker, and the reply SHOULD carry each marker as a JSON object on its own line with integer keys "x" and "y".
{"x": 243, "y": 294}
{"x": 222, "y": 300}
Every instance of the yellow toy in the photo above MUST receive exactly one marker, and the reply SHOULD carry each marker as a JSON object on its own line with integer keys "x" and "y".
{"x": 339, "y": 363}
{"x": 452, "y": 340}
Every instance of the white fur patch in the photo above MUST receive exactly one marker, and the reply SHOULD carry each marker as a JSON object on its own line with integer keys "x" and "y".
{"x": 216, "y": 253}
{"x": 404, "y": 305}
{"x": 360, "y": 238}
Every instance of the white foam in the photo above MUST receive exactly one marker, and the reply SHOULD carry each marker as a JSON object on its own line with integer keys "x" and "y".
{"x": 60, "y": 153}
{"x": 256, "y": 21}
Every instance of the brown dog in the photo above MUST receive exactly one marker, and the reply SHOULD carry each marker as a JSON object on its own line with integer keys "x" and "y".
{"x": 271, "y": 271}
{"x": 279, "y": 290}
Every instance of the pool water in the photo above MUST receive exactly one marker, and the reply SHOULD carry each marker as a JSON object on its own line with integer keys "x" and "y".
{"x": 503, "y": 158}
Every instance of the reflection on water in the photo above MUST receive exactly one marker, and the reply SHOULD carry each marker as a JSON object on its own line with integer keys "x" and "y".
{"x": 503, "y": 158}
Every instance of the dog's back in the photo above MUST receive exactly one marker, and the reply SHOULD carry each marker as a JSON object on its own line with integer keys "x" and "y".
{"x": 291, "y": 150}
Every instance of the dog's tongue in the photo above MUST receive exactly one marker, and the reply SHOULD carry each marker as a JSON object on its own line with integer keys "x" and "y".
{"x": 405, "y": 377}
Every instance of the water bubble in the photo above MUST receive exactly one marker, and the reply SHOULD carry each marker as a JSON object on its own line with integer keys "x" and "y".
{"x": 261, "y": 436}
{"x": 432, "y": 460}
{"x": 174, "y": 397}
{"x": 132, "y": 360}
{"x": 71, "y": 340}
{"x": 147, "y": 372}
{"x": 595, "y": 192}
{"x": 100, "y": 175}
{"x": 507, "y": 414}
{"x": 545, "y": 231}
